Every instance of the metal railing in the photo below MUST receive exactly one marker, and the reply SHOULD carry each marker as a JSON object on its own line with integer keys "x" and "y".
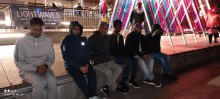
{"x": 88, "y": 18}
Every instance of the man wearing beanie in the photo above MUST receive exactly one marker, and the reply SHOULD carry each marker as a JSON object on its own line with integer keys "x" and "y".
{"x": 76, "y": 54}
{"x": 136, "y": 48}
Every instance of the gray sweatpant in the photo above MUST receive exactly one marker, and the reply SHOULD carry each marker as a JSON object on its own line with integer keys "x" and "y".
{"x": 112, "y": 70}
{"x": 40, "y": 81}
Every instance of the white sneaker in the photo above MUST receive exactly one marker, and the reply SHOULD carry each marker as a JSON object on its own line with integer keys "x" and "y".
{"x": 94, "y": 97}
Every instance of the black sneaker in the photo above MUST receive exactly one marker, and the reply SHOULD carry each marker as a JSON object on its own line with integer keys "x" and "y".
{"x": 105, "y": 91}
{"x": 132, "y": 82}
{"x": 147, "y": 81}
{"x": 166, "y": 77}
{"x": 124, "y": 85}
{"x": 121, "y": 89}
{"x": 152, "y": 82}
{"x": 170, "y": 77}
{"x": 157, "y": 84}
{"x": 173, "y": 77}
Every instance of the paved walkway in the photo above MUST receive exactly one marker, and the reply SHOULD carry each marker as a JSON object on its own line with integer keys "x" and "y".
{"x": 198, "y": 81}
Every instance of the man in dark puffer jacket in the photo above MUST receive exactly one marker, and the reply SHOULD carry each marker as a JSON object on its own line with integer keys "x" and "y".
{"x": 76, "y": 54}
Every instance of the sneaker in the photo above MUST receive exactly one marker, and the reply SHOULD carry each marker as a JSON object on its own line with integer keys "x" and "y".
{"x": 121, "y": 89}
{"x": 125, "y": 86}
{"x": 105, "y": 91}
{"x": 173, "y": 77}
{"x": 152, "y": 82}
{"x": 147, "y": 81}
{"x": 157, "y": 84}
{"x": 166, "y": 77}
{"x": 95, "y": 97}
{"x": 132, "y": 82}
{"x": 170, "y": 77}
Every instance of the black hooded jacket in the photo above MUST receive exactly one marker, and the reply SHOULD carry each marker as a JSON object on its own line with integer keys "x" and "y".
{"x": 117, "y": 48}
{"x": 75, "y": 49}
{"x": 100, "y": 48}
{"x": 132, "y": 45}
{"x": 153, "y": 43}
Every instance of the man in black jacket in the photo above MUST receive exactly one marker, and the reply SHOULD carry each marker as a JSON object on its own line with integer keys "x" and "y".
{"x": 136, "y": 48}
{"x": 153, "y": 41}
{"x": 76, "y": 54}
{"x": 118, "y": 52}
{"x": 101, "y": 57}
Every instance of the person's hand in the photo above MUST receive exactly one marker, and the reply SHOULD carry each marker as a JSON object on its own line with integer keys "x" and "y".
{"x": 158, "y": 31}
{"x": 41, "y": 69}
{"x": 161, "y": 32}
{"x": 84, "y": 69}
{"x": 145, "y": 57}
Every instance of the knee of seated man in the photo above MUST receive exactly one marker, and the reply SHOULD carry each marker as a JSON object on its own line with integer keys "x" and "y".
{"x": 40, "y": 83}
{"x": 52, "y": 80}
{"x": 162, "y": 60}
{"x": 108, "y": 72}
{"x": 119, "y": 68}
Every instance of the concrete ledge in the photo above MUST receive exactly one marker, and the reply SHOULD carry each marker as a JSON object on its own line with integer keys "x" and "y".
{"x": 176, "y": 61}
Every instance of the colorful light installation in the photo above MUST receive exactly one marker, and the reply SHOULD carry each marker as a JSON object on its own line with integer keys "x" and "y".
{"x": 173, "y": 11}
{"x": 122, "y": 10}
{"x": 177, "y": 16}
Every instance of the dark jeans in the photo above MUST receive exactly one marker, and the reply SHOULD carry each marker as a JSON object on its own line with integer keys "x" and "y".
{"x": 128, "y": 62}
{"x": 89, "y": 89}
{"x": 164, "y": 61}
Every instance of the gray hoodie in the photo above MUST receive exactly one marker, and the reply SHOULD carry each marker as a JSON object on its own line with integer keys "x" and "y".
{"x": 31, "y": 52}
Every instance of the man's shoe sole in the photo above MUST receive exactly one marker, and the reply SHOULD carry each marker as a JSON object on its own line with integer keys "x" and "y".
{"x": 134, "y": 86}
{"x": 104, "y": 92}
{"x": 158, "y": 86}
{"x": 149, "y": 83}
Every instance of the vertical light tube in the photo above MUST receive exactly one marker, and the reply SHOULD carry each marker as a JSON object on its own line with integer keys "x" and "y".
{"x": 199, "y": 19}
{"x": 129, "y": 16}
{"x": 112, "y": 16}
{"x": 178, "y": 21}
{"x": 163, "y": 16}
{"x": 207, "y": 3}
{"x": 146, "y": 16}
{"x": 202, "y": 8}
{"x": 187, "y": 16}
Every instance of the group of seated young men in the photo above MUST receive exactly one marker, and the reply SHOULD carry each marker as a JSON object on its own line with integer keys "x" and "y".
{"x": 106, "y": 52}
{"x": 34, "y": 55}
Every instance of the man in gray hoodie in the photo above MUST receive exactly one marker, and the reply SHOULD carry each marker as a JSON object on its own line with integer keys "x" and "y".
{"x": 34, "y": 55}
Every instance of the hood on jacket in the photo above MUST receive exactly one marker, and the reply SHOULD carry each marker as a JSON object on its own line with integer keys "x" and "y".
{"x": 72, "y": 25}
{"x": 155, "y": 27}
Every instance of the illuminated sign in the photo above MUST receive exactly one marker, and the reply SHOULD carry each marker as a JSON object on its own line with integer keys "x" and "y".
{"x": 51, "y": 16}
